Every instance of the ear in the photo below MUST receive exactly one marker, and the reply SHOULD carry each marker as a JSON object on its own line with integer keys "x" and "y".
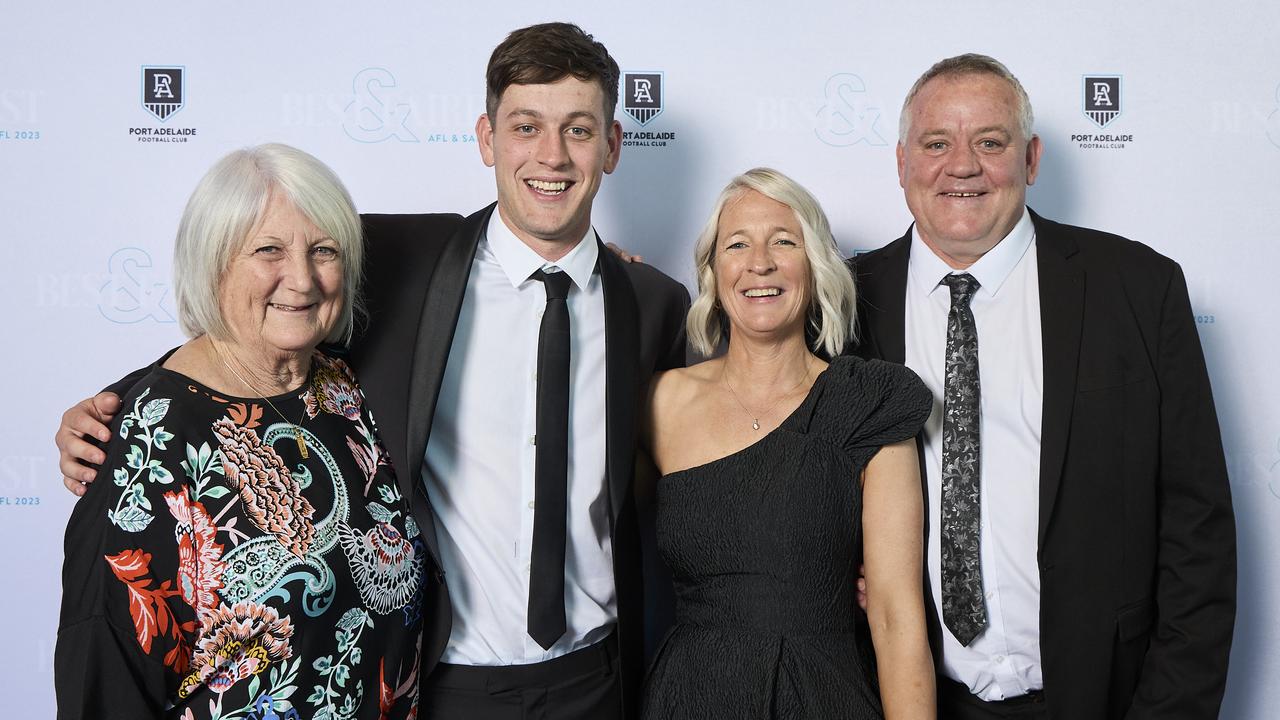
{"x": 900, "y": 153}
{"x": 615, "y": 147}
{"x": 1034, "y": 149}
{"x": 484, "y": 138}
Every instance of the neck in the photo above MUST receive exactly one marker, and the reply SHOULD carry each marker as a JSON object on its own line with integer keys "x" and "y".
{"x": 955, "y": 261}
{"x": 257, "y": 373}
{"x": 549, "y": 249}
{"x": 768, "y": 364}
{"x": 960, "y": 258}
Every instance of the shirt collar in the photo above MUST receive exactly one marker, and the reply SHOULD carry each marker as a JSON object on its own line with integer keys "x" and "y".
{"x": 518, "y": 261}
{"x": 991, "y": 270}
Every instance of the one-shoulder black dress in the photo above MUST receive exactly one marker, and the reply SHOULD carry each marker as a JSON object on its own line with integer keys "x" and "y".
{"x": 764, "y": 547}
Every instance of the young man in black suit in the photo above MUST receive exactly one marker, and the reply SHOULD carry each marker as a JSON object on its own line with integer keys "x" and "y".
{"x": 1081, "y": 550}
{"x": 489, "y": 390}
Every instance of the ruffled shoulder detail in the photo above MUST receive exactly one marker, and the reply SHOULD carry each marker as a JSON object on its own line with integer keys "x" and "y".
{"x": 864, "y": 405}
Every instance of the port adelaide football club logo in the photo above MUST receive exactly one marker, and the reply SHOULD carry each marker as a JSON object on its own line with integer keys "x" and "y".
{"x": 1101, "y": 99}
{"x": 642, "y": 100}
{"x": 164, "y": 93}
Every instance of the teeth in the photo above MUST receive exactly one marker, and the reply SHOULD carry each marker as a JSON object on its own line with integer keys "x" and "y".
{"x": 963, "y": 194}
{"x": 282, "y": 306}
{"x": 554, "y": 187}
{"x": 762, "y": 292}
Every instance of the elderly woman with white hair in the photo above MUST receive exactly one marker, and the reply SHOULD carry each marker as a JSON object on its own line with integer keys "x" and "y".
{"x": 253, "y": 557}
{"x": 781, "y": 472}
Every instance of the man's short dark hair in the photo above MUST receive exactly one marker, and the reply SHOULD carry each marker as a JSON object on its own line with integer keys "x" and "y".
{"x": 547, "y": 53}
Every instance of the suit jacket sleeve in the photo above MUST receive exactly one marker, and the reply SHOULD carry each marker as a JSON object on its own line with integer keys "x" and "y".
{"x": 1184, "y": 673}
{"x": 676, "y": 355}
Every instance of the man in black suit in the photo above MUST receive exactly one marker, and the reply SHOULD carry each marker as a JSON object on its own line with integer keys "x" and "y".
{"x": 1081, "y": 550}
{"x": 526, "y": 500}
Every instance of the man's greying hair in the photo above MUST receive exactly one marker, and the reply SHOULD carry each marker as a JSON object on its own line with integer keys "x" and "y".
{"x": 960, "y": 66}
{"x": 547, "y": 53}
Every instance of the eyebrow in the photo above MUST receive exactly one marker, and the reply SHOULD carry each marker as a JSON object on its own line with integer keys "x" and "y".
{"x": 268, "y": 236}
{"x": 772, "y": 231}
{"x": 530, "y": 113}
{"x": 984, "y": 129}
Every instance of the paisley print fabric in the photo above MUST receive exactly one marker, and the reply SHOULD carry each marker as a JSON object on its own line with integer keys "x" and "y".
{"x": 225, "y": 576}
{"x": 270, "y": 496}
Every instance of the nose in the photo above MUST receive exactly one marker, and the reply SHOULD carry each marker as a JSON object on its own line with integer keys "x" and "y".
{"x": 300, "y": 271}
{"x": 552, "y": 150}
{"x": 762, "y": 261}
{"x": 963, "y": 162}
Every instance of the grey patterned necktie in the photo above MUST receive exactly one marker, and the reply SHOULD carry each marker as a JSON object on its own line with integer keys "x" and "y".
{"x": 963, "y": 610}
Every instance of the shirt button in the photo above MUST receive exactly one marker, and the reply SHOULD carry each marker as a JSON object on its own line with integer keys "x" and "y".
{"x": 528, "y": 567}
{"x": 999, "y": 658}
{"x": 988, "y": 594}
{"x": 533, "y": 439}
{"x": 530, "y": 504}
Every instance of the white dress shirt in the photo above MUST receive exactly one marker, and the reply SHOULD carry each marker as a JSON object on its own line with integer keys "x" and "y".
{"x": 479, "y": 465}
{"x": 1003, "y": 661}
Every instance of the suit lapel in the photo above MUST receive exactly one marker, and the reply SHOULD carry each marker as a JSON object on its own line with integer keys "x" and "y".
{"x": 622, "y": 349}
{"x": 1061, "y": 315}
{"x": 439, "y": 319}
{"x": 883, "y": 284}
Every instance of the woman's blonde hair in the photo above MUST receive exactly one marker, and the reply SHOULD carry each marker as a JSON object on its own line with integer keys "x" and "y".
{"x": 832, "y": 298}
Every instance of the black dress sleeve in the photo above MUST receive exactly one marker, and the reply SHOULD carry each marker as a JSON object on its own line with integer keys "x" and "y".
{"x": 126, "y": 628}
{"x": 867, "y": 404}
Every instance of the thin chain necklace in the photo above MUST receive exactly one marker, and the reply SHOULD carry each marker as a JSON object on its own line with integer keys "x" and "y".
{"x": 297, "y": 427}
{"x": 755, "y": 418}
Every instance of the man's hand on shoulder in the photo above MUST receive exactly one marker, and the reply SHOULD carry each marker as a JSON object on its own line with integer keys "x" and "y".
{"x": 82, "y": 424}
{"x": 623, "y": 254}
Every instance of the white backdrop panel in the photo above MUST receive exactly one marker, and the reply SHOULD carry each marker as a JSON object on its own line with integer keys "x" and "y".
{"x": 388, "y": 94}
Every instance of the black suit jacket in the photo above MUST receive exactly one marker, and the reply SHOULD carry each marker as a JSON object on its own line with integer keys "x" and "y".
{"x": 1136, "y": 532}
{"x": 416, "y": 272}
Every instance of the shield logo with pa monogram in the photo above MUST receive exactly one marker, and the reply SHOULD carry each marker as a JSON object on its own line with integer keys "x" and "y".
{"x": 642, "y": 95}
{"x": 163, "y": 90}
{"x": 1102, "y": 98}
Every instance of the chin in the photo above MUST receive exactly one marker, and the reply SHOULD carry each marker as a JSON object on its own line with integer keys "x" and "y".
{"x": 297, "y": 344}
{"x": 770, "y": 327}
{"x": 553, "y": 228}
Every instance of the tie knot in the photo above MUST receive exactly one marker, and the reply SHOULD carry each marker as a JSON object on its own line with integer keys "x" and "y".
{"x": 555, "y": 283}
{"x": 962, "y": 287}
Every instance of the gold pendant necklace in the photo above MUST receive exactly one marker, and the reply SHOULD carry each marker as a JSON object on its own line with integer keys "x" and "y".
{"x": 755, "y": 418}
{"x": 297, "y": 427}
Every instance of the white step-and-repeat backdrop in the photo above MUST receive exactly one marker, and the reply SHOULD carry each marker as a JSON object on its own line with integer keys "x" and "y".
{"x": 93, "y": 179}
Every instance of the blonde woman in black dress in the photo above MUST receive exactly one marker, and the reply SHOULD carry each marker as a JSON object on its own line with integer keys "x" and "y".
{"x": 781, "y": 473}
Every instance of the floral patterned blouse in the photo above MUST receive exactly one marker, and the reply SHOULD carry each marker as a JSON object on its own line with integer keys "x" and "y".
{"x": 239, "y": 568}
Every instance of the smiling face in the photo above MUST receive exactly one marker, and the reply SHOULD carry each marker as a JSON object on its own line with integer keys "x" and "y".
{"x": 761, "y": 270}
{"x": 282, "y": 290}
{"x": 965, "y": 165}
{"x": 549, "y": 146}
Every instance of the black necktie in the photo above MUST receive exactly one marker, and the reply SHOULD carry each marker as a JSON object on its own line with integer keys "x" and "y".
{"x": 551, "y": 466}
{"x": 963, "y": 609}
